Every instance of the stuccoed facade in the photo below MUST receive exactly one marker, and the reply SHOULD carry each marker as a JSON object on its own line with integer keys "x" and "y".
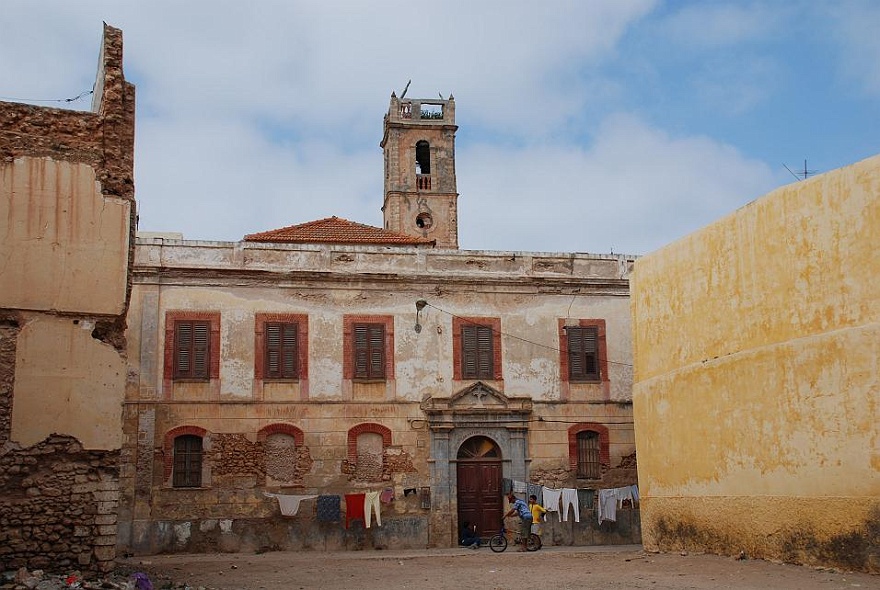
{"x": 423, "y": 410}
{"x": 756, "y": 343}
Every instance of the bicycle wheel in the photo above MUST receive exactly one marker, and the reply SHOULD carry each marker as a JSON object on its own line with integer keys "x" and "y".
{"x": 533, "y": 543}
{"x": 498, "y": 543}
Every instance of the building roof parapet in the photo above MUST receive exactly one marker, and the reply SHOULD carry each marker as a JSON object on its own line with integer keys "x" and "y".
{"x": 378, "y": 260}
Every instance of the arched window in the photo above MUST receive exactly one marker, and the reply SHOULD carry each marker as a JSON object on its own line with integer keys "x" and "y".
{"x": 423, "y": 157}
{"x": 588, "y": 464}
{"x": 479, "y": 448}
{"x": 588, "y": 449}
{"x": 366, "y": 450}
{"x": 187, "y": 461}
{"x": 183, "y": 449}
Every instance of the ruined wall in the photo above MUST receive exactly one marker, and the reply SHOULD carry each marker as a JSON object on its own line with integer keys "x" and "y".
{"x": 757, "y": 342}
{"x": 67, "y": 201}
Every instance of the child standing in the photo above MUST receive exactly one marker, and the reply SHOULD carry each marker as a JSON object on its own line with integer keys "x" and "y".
{"x": 537, "y": 515}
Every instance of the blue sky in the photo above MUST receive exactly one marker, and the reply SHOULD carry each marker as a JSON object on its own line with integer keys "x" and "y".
{"x": 584, "y": 126}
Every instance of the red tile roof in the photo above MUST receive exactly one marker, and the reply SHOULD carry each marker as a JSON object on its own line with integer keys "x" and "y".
{"x": 335, "y": 230}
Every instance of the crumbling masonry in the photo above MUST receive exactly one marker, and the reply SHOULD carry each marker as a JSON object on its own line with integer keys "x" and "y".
{"x": 67, "y": 201}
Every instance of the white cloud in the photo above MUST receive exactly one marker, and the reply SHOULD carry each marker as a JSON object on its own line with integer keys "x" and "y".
{"x": 713, "y": 25}
{"x": 855, "y": 27}
{"x": 635, "y": 190}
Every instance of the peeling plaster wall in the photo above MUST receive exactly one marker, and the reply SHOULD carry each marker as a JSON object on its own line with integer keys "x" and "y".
{"x": 65, "y": 246}
{"x": 67, "y": 381}
{"x": 529, "y": 292}
{"x": 757, "y": 349}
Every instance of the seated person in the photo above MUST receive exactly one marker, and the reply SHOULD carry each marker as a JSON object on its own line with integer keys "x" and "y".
{"x": 469, "y": 536}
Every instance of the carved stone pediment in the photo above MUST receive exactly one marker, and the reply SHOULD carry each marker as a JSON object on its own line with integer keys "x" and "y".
{"x": 477, "y": 398}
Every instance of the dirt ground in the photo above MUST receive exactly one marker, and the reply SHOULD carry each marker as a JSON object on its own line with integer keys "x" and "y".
{"x": 463, "y": 569}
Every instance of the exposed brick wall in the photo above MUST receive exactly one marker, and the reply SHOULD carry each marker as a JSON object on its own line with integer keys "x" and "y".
{"x": 58, "y": 509}
{"x": 104, "y": 139}
{"x": 234, "y": 456}
{"x": 8, "y": 335}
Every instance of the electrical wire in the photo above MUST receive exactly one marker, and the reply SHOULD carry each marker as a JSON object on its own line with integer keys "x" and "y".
{"x": 74, "y": 99}
{"x": 521, "y": 339}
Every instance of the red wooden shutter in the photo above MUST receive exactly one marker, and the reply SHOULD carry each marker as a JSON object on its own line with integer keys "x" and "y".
{"x": 477, "y": 355}
{"x": 369, "y": 351}
{"x": 192, "y": 349}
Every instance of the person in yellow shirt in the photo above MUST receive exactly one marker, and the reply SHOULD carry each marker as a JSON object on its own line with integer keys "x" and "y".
{"x": 537, "y": 514}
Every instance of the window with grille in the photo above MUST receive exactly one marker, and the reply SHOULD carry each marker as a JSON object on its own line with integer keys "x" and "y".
{"x": 583, "y": 353}
{"x": 187, "y": 461}
{"x": 588, "y": 465}
{"x": 477, "y": 354}
{"x": 369, "y": 351}
{"x": 281, "y": 355}
{"x": 192, "y": 349}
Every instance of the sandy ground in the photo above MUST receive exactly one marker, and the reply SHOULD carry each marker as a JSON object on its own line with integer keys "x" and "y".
{"x": 464, "y": 569}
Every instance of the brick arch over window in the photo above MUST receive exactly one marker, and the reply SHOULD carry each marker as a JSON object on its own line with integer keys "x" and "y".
{"x": 362, "y": 428}
{"x": 168, "y": 446}
{"x": 282, "y": 428}
{"x": 601, "y": 430}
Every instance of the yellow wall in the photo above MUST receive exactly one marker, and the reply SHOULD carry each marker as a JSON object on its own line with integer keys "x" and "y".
{"x": 67, "y": 382}
{"x": 65, "y": 245}
{"x": 756, "y": 347}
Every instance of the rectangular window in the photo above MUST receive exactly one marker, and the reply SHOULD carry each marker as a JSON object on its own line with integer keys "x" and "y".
{"x": 281, "y": 355}
{"x": 583, "y": 353}
{"x": 192, "y": 349}
{"x": 187, "y": 461}
{"x": 477, "y": 355}
{"x": 369, "y": 351}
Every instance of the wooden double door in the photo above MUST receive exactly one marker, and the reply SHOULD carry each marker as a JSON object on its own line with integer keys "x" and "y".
{"x": 479, "y": 485}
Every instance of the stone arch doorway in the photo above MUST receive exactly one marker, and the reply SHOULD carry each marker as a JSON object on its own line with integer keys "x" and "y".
{"x": 478, "y": 475}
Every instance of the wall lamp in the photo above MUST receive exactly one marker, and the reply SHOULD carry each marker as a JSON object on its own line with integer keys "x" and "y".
{"x": 420, "y": 305}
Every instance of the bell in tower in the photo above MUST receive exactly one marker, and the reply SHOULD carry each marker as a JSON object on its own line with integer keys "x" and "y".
{"x": 421, "y": 197}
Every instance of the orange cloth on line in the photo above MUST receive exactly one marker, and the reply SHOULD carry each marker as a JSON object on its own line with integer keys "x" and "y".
{"x": 354, "y": 508}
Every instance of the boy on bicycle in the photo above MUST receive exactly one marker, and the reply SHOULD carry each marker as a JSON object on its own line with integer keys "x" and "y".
{"x": 520, "y": 508}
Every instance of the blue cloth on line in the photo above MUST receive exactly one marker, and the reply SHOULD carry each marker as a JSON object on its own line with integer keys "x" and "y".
{"x": 328, "y": 508}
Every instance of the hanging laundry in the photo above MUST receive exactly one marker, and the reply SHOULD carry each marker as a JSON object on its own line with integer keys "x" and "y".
{"x": 354, "y": 508}
{"x": 607, "y": 506}
{"x": 371, "y": 504}
{"x": 551, "y": 501}
{"x": 328, "y": 508}
{"x": 635, "y": 492}
{"x": 387, "y": 496}
{"x": 624, "y": 493}
{"x": 289, "y": 503}
{"x": 586, "y": 497}
{"x": 570, "y": 498}
{"x": 408, "y": 492}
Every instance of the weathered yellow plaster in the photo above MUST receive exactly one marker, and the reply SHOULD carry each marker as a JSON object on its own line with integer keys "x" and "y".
{"x": 757, "y": 379}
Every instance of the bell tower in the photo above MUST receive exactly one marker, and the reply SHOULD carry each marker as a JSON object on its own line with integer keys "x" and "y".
{"x": 421, "y": 198}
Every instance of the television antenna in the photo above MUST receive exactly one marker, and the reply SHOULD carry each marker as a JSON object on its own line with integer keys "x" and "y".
{"x": 801, "y": 174}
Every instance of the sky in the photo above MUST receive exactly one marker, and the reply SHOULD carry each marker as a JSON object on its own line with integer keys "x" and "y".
{"x": 584, "y": 125}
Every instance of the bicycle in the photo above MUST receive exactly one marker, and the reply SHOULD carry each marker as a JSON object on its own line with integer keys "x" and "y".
{"x": 498, "y": 542}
